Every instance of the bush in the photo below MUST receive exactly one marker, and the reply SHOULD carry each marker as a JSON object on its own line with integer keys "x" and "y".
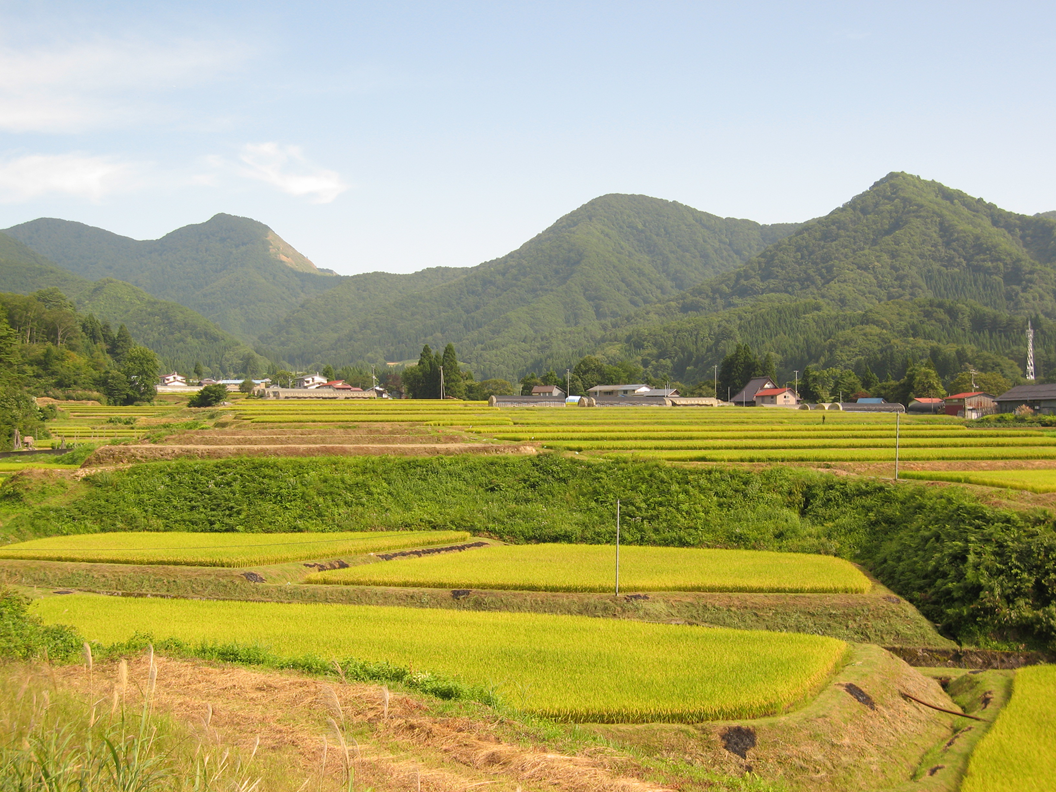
{"x": 24, "y": 636}
{"x": 209, "y": 396}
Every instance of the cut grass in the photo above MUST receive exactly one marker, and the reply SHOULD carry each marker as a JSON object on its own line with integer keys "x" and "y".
{"x": 1018, "y": 752}
{"x": 566, "y": 667}
{"x": 591, "y": 568}
{"x": 220, "y": 549}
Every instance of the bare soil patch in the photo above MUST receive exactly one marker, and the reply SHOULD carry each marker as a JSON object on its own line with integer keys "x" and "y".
{"x": 396, "y": 741}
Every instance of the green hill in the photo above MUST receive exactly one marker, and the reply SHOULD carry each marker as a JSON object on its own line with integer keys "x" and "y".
{"x": 233, "y": 270}
{"x": 600, "y": 262}
{"x": 177, "y": 334}
{"x": 320, "y": 322}
{"x": 903, "y": 238}
{"x": 909, "y": 269}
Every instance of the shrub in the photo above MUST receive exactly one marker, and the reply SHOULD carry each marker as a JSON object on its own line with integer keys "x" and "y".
{"x": 209, "y": 396}
{"x": 24, "y": 636}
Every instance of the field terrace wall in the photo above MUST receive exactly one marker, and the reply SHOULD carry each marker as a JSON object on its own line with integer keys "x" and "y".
{"x": 528, "y": 401}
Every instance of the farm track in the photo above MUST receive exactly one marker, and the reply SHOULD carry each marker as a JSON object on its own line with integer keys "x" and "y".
{"x": 396, "y": 747}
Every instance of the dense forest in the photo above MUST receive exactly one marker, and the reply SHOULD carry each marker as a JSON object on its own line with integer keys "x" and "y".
{"x": 179, "y": 336}
{"x": 48, "y": 349}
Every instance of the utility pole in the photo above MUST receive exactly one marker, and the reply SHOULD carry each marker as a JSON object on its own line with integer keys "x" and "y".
{"x": 897, "y": 416}
{"x": 617, "y": 547}
{"x": 796, "y": 372}
{"x": 716, "y": 367}
{"x": 568, "y": 383}
{"x": 441, "y": 382}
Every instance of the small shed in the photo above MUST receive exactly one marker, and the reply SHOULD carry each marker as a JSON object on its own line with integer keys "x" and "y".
{"x": 975, "y": 404}
{"x": 926, "y": 404}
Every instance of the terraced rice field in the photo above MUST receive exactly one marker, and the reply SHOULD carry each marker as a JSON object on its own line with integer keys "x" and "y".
{"x": 221, "y": 549}
{"x": 566, "y": 667}
{"x": 1019, "y": 752}
{"x": 591, "y": 568}
{"x": 690, "y": 434}
{"x": 1040, "y": 481}
{"x": 92, "y": 422}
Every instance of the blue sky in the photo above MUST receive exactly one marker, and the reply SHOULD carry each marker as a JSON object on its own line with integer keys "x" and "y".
{"x": 396, "y": 136}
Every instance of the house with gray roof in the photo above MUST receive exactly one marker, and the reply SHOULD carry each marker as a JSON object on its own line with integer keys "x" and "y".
{"x": 1039, "y": 398}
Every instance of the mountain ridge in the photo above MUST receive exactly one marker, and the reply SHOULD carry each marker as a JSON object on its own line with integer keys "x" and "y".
{"x": 233, "y": 270}
{"x": 179, "y": 335}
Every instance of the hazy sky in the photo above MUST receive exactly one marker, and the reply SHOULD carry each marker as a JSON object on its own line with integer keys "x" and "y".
{"x": 396, "y": 136}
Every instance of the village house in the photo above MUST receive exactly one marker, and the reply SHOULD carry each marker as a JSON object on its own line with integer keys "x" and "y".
{"x": 619, "y": 391}
{"x": 547, "y": 392}
{"x": 310, "y": 381}
{"x": 746, "y": 395}
{"x": 173, "y": 380}
{"x": 775, "y": 397}
{"x": 661, "y": 393}
{"x": 1039, "y": 398}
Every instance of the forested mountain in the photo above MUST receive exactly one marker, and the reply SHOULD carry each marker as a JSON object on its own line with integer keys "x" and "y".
{"x": 908, "y": 270}
{"x": 319, "y": 322}
{"x": 602, "y": 261}
{"x": 233, "y": 270}
{"x": 903, "y": 238}
{"x": 177, "y": 334}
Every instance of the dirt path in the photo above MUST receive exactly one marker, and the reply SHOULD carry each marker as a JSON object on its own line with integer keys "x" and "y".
{"x": 401, "y": 745}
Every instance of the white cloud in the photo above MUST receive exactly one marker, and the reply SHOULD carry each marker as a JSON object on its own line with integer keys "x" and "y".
{"x": 102, "y": 83}
{"x": 286, "y": 167}
{"x": 29, "y": 177}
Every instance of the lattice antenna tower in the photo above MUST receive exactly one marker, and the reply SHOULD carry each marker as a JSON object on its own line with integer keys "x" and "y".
{"x": 1030, "y": 351}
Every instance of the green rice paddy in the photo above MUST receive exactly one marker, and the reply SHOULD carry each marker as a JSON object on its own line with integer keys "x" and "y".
{"x": 567, "y": 667}
{"x": 1019, "y": 752}
{"x": 690, "y": 434}
{"x": 221, "y": 549}
{"x": 591, "y": 568}
{"x": 1039, "y": 481}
